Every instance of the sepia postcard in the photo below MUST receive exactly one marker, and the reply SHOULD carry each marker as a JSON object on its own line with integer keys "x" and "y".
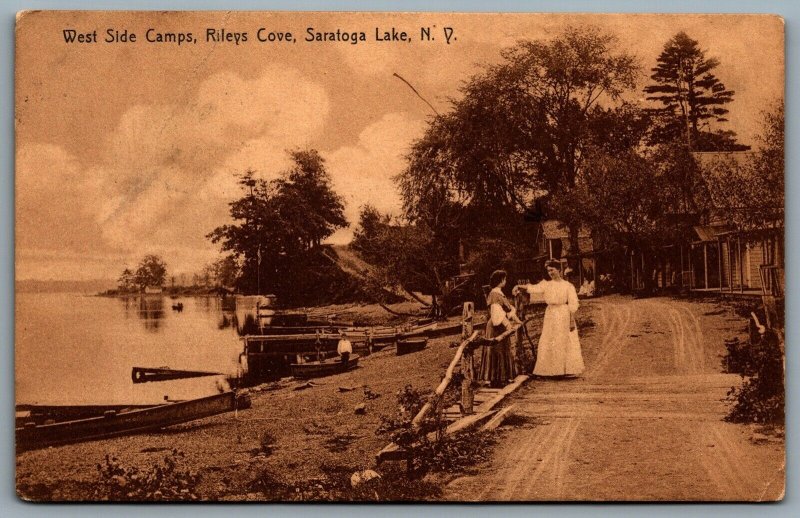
{"x": 383, "y": 257}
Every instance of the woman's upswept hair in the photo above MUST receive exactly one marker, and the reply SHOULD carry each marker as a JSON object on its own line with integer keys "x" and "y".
{"x": 497, "y": 277}
{"x": 552, "y": 263}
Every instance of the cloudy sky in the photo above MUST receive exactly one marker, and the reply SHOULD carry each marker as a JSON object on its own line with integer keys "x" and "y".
{"x": 124, "y": 149}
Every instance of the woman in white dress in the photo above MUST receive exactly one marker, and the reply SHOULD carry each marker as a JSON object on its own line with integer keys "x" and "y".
{"x": 559, "y": 352}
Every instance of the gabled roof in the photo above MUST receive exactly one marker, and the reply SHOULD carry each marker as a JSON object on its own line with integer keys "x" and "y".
{"x": 710, "y": 232}
{"x": 555, "y": 229}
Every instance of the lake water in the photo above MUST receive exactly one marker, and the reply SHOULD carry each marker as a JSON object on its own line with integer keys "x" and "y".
{"x": 79, "y": 349}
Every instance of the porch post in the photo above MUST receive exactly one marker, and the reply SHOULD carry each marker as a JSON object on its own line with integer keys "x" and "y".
{"x": 719, "y": 262}
{"x": 705, "y": 265}
{"x": 730, "y": 264}
{"x": 741, "y": 262}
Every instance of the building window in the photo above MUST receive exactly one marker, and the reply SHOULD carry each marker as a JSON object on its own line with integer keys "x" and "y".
{"x": 555, "y": 248}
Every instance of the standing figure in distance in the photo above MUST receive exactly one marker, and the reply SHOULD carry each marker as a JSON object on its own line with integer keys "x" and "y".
{"x": 344, "y": 348}
{"x": 497, "y": 366}
{"x": 559, "y": 352}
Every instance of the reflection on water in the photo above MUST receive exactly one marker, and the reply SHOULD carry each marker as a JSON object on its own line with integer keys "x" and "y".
{"x": 151, "y": 311}
{"x": 75, "y": 349}
{"x": 225, "y": 321}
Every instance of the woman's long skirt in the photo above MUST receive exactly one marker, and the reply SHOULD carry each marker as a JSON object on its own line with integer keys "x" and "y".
{"x": 559, "y": 351}
{"x": 497, "y": 365}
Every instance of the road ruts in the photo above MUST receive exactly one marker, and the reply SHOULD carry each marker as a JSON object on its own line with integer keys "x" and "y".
{"x": 644, "y": 422}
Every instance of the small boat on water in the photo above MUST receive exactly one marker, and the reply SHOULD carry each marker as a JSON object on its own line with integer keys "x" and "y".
{"x": 411, "y": 345}
{"x": 146, "y": 374}
{"x": 113, "y": 421}
{"x": 321, "y": 368}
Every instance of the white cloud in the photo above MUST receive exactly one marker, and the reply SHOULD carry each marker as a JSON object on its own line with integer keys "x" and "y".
{"x": 362, "y": 173}
{"x": 166, "y": 175}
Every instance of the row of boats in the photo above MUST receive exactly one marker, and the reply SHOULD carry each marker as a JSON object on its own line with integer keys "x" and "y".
{"x": 312, "y": 351}
{"x": 40, "y": 426}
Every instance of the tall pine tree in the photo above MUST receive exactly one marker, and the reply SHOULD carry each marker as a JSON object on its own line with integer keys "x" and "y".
{"x": 692, "y": 97}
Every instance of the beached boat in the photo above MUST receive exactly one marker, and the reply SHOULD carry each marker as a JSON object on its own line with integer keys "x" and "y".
{"x": 411, "y": 345}
{"x": 122, "y": 421}
{"x": 321, "y": 368}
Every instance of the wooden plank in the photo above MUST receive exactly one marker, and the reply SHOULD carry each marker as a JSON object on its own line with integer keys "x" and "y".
{"x": 391, "y": 452}
{"x": 518, "y": 381}
{"x": 471, "y": 420}
{"x": 498, "y": 419}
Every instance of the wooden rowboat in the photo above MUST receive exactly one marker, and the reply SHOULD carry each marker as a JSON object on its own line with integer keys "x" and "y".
{"x": 146, "y": 374}
{"x": 411, "y": 345}
{"x": 113, "y": 423}
{"x": 323, "y": 367}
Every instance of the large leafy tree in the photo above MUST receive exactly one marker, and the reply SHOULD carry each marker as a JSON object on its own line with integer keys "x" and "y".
{"x": 750, "y": 188}
{"x": 411, "y": 256}
{"x": 305, "y": 199}
{"x": 279, "y": 226}
{"x": 152, "y": 271}
{"x": 636, "y": 199}
{"x": 224, "y": 272}
{"x": 519, "y": 133}
{"x": 371, "y": 223}
{"x": 691, "y": 98}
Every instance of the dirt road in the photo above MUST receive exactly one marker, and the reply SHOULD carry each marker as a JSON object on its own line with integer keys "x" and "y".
{"x": 644, "y": 422}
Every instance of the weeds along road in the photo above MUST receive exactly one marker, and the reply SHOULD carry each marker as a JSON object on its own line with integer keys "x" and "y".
{"x": 644, "y": 422}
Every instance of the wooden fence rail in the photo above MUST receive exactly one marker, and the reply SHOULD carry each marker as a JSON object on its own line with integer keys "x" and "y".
{"x": 468, "y": 345}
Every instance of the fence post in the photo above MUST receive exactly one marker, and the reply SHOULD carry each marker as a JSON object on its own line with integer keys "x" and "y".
{"x": 467, "y": 360}
{"x": 521, "y": 362}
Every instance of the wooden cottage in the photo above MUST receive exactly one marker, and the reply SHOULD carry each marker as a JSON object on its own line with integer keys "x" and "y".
{"x": 732, "y": 259}
{"x": 729, "y": 260}
{"x": 592, "y": 259}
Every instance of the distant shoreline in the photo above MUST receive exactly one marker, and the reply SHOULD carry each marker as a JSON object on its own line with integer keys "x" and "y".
{"x": 177, "y": 291}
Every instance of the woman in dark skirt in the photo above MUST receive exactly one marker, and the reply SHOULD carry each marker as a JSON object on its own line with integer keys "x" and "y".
{"x": 497, "y": 366}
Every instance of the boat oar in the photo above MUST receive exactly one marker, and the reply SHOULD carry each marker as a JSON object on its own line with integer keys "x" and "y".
{"x": 146, "y": 374}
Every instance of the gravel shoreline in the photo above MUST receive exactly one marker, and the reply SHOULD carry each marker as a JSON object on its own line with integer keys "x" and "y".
{"x": 296, "y": 434}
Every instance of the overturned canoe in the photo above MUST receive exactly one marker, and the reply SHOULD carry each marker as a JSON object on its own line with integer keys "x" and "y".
{"x": 324, "y": 367}
{"x": 112, "y": 423}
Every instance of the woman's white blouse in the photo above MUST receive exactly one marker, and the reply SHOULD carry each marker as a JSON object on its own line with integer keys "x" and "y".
{"x": 556, "y": 292}
{"x": 496, "y": 311}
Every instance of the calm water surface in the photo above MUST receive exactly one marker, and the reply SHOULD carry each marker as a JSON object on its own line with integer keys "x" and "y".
{"x": 79, "y": 349}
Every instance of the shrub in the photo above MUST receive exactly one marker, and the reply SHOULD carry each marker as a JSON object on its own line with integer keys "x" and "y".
{"x": 392, "y": 486}
{"x": 761, "y": 398}
{"x": 398, "y": 426}
{"x": 163, "y": 481}
{"x": 429, "y": 452}
{"x": 267, "y": 443}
